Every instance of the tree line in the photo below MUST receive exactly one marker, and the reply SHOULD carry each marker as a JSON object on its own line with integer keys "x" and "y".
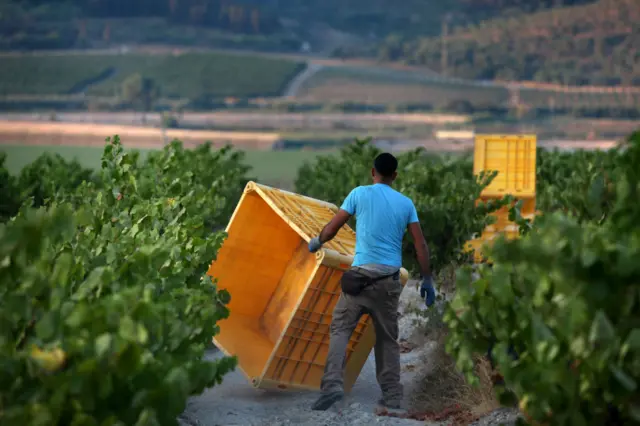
{"x": 244, "y": 16}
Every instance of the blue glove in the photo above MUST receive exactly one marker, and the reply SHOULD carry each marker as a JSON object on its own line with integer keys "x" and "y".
{"x": 427, "y": 291}
{"x": 315, "y": 245}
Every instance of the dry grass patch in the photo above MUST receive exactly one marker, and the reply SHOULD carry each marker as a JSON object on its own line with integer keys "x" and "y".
{"x": 442, "y": 393}
{"x": 444, "y": 389}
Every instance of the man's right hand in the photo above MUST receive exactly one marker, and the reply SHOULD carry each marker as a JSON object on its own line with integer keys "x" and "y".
{"x": 427, "y": 291}
{"x": 315, "y": 245}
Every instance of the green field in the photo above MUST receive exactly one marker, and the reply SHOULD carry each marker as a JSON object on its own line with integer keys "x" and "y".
{"x": 179, "y": 76}
{"x": 392, "y": 86}
{"x": 379, "y": 85}
{"x": 278, "y": 168}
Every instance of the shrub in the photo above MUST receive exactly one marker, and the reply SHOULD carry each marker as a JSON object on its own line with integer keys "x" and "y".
{"x": 50, "y": 174}
{"x": 9, "y": 199}
{"x": 105, "y": 311}
{"x": 565, "y": 299}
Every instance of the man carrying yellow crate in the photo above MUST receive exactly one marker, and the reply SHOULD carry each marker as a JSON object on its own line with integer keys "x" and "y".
{"x": 372, "y": 285}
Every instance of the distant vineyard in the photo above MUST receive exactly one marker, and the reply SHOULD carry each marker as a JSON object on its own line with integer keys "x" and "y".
{"x": 187, "y": 76}
{"x": 468, "y": 96}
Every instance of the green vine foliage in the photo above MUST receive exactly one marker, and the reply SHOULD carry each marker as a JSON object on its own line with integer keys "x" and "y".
{"x": 105, "y": 310}
{"x": 9, "y": 198}
{"x": 579, "y": 184}
{"x": 49, "y": 175}
{"x": 566, "y": 298}
{"x": 214, "y": 178}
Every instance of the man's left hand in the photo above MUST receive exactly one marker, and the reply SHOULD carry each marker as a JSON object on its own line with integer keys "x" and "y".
{"x": 315, "y": 245}
{"x": 427, "y": 291}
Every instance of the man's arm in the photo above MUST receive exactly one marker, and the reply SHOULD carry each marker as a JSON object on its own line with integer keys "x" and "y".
{"x": 422, "y": 249}
{"x": 331, "y": 229}
{"x": 427, "y": 290}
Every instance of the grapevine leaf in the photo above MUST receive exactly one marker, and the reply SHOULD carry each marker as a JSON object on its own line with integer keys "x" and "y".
{"x": 623, "y": 378}
{"x": 602, "y": 331}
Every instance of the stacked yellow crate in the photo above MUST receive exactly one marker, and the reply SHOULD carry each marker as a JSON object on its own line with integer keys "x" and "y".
{"x": 514, "y": 158}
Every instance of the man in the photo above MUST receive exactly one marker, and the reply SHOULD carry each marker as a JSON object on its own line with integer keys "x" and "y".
{"x": 382, "y": 216}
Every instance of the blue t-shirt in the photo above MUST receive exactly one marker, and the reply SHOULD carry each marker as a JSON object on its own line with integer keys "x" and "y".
{"x": 382, "y": 216}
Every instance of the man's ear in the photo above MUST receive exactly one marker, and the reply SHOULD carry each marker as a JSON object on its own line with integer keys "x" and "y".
{"x": 394, "y": 176}
{"x": 373, "y": 172}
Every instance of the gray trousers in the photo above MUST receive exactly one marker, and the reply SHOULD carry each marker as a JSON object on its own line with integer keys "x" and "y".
{"x": 380, "y": 301}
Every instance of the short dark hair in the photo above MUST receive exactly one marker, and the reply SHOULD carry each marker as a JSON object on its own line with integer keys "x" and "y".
{"x": 385, "y": 164}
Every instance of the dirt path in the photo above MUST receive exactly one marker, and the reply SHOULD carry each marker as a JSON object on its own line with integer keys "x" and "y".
{"x": 92, "y": 134}
{"x": 235, "y": 402}
{"x": 82, "y": 86}
{"x": 299, "y": 80}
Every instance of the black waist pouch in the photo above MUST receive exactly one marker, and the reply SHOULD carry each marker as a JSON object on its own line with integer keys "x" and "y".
{"x": 353, "y": 282}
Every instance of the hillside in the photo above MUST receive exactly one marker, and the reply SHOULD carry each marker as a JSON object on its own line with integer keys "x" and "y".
{"x": 282, "y": 25}
{"x": 41, "y": 24}
{"x": 567, "y": 42}
{"x": 593, "y": 44}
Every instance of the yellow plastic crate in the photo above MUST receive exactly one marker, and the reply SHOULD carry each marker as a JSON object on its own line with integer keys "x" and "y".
{"x": 513, "y": 157}
{"x": 488, "y": 235}
{"x": 528, "y": 211}
{"x": 282, "y": 296}
{"x": 501, "y": 225}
